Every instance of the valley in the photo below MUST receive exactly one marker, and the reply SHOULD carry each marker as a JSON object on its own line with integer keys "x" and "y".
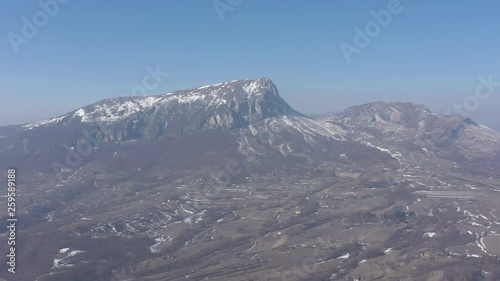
{"x": 242, "y": 187}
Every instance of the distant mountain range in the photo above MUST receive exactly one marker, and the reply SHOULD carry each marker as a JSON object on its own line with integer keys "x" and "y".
{"x": 228, "y": 182}
{"x": 221, "y": 118}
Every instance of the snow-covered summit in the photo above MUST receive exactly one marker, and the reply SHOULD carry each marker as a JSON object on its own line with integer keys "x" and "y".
{"x": 249, "y": 86}
{"x": 229, "y": 104}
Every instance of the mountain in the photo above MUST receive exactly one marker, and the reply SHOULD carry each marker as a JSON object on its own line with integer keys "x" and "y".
{"x": 229, "y": 105}
{"x": 410, "y": 127}
{"x": 228, "y": 182}
{"x": 238, "y": 111}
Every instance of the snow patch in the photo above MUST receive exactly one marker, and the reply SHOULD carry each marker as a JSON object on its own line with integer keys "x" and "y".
{"x": 344, "y": 257}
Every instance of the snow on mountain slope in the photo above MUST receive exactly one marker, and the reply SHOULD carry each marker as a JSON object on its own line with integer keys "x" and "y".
{"x": 400, "y": 126}
{"x": 254, "y": 111}
{"x": 115, "y": 110}
{"x": 243, "y": 101}
{"x": 478, "y": 141}
{"x": 284, "y": 133}
{"x": 110, "y": 110}
{"x": 392, "y": 121}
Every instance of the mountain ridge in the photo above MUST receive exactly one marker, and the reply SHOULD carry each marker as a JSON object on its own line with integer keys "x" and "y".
{"x": 252, "y": 99}
{"x": 247, "y": 108}
{"x": 170, "y": 176}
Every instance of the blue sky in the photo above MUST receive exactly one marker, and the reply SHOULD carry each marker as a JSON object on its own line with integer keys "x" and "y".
{"x": 431, "y": 52}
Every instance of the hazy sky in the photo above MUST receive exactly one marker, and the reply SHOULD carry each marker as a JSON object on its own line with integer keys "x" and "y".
{"x": 429, "y": 51}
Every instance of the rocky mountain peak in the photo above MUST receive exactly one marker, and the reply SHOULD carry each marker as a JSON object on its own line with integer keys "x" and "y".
{"x": 228, "y": 105}
{"x": 242, "y": 88}
{"x": 246, "y": 100}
